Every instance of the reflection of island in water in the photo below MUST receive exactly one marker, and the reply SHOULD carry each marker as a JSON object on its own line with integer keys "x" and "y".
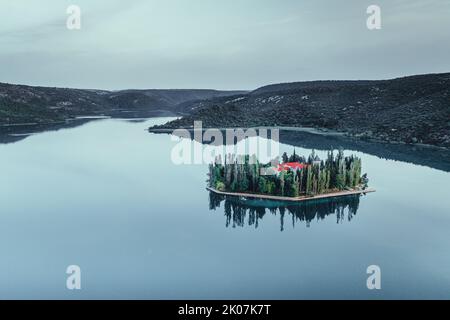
{"x": 240, "y": 213}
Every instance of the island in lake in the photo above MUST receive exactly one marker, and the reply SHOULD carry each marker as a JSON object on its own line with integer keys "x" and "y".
{"x": 295, "y": 178}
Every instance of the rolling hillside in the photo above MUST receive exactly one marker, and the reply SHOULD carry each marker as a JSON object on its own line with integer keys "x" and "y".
{"x": 413, "y": 109}
{"x": 21, "y": 104}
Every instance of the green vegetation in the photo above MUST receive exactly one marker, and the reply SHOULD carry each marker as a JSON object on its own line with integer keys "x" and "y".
{"x": 21, "y": 104}
{"x": 295, "y": 176}
{"x": 408, "y": 110}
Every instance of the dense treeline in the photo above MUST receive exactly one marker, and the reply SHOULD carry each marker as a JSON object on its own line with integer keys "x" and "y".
{"x": 243, "y": 174}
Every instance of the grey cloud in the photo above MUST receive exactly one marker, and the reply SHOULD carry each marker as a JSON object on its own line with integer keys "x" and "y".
{"x": 217, "y": 44}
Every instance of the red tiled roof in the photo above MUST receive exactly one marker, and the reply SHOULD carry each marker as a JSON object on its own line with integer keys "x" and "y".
{"x": 291, "y": 166}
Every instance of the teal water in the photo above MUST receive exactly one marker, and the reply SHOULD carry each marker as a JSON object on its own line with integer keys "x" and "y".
{"x": 107, "y": 197}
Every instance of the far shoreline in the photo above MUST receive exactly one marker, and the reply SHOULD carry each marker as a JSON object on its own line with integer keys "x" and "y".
{"x": 311, "y": 130}
{"x": 301, "y": 129}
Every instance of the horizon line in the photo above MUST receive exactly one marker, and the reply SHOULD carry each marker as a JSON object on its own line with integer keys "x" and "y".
{"x": 223, "y": 90}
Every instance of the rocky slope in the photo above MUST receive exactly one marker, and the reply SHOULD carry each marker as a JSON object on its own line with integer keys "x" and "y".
{"x": 413, "y": 109}
{"x": 26, "y": 104}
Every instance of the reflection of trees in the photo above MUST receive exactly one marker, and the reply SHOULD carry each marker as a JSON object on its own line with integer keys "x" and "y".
{"x": 239, "y": 213}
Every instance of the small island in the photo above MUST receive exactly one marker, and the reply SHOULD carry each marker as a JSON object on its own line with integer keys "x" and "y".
{"x": 295, "y": 178}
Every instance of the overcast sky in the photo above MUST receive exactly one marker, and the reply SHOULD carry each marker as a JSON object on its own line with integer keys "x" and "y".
{"x": 227, "y": 44}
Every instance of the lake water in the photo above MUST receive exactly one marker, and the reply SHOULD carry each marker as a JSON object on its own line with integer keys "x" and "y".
{"x": 106, "y": 196}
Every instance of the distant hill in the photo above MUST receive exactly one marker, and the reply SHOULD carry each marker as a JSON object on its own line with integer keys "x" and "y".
{"x": 21, "y": 104}
{"x": 413, "y": 109}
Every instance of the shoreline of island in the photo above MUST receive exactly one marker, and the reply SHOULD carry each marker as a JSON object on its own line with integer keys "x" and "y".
{"x": 292, "y": 199}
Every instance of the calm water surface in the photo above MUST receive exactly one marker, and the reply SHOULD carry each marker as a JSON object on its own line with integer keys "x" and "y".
{"x": 107, "y": 197}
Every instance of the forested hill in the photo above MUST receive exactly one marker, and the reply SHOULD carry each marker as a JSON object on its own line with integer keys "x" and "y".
{"x": 26, "y": 104}
{"x": 413, "y": 109}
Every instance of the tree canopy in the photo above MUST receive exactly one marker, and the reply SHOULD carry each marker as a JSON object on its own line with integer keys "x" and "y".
{"x": 313, "y": 177}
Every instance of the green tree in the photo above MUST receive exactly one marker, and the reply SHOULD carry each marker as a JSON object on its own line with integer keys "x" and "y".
{"x": 285, "y": 158}
{"x": 220, "y": 186}
{"x": 365, "y": 181}
{"x": 282, "y": 182}
{"x": 262, "y": 185}
{"x": 309, "y": 182}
